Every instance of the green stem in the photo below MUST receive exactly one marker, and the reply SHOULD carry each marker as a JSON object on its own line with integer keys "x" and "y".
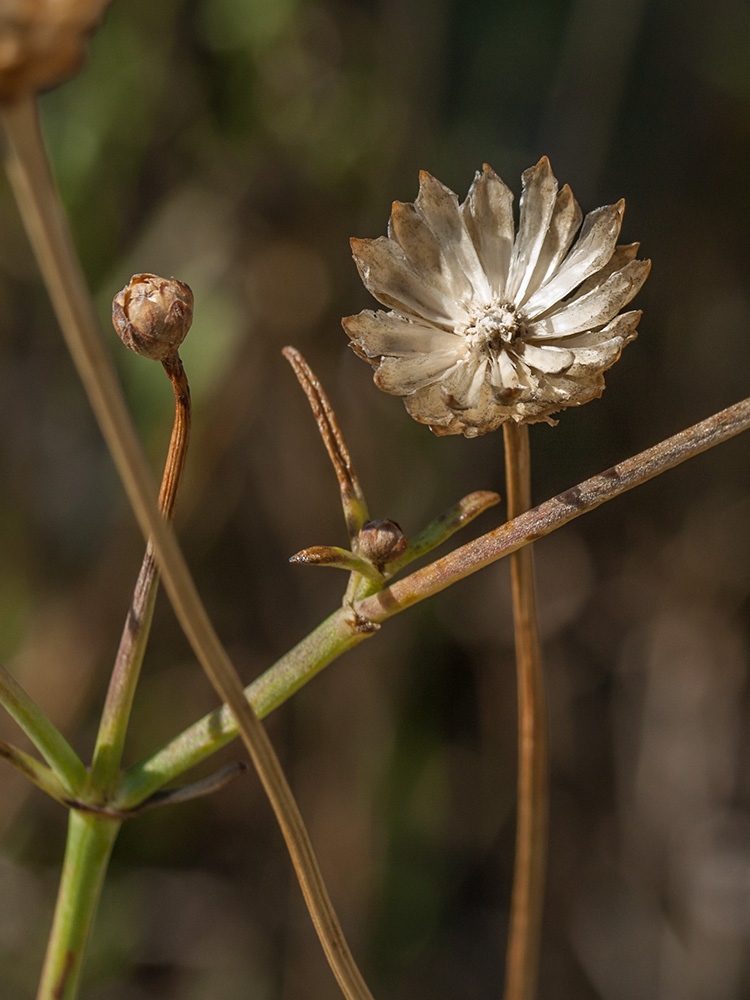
{"x": 64, "y": 762}
{"x": 35, "y": 771}
{"x": 346, "y": 628}
{"x": 87, "y": 853}
{"x": 325, "y": 643}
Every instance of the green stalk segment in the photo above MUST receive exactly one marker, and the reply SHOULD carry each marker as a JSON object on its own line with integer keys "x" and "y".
{"x": 87, "y": 852}
{"x": 63, "y": 761}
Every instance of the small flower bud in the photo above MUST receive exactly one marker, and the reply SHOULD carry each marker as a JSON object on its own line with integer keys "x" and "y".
{"x": 152, "y": 315}
{"x": 381, "y": 542}
{"x": 42, "y": 42}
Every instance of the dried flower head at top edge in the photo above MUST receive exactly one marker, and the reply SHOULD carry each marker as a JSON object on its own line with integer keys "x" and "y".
{"x": 43, "y": 42}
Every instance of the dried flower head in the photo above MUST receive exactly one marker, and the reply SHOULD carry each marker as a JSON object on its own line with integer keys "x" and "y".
{"x": 484, "y": 327}
{"x": 42, "y": 42}
{"x": 152, "y": 315}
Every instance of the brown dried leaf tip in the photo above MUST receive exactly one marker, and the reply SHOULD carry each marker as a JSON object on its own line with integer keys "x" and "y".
{"x": 42, "y": 42}
{"x": 152, "y": 315}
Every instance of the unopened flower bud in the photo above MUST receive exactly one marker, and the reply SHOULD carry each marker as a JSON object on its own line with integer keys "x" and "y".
{"x": 381, "y": 542}
{"x": 152, "y": 315}
{"x": 42, "y": 42}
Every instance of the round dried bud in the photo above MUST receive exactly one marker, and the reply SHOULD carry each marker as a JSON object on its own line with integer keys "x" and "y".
{"x": 42, "y": 42}
{"x": 152, "y": 315}
{"x": 381, "y": 542}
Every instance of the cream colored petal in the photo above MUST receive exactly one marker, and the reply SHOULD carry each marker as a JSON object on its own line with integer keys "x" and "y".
{"x": 415, "y": 237}
{"x": 531, "y": 383}
{"x": 378, "y": 333}
{"x": 438, "y": 206}
{"x": 537, "y": 204}
{"x": 591, "y": 251}
{"x": 548, "y": 359}
{"x": 428, "y": 407}
{"x": 561, "y": 391}
{"x": 599, "y": 306}
{"x": 598, "y": 350}
{"x": 434, "y": 262}
{"x": 461, "y": 387}
{"x": 486, "y": 416}
{"x": 565, "y": 222}
{"x": 389, "y": 276}
{"x": 622, "y": 256}
{"x": 598, "y": 358}
{"x": 622, "y": 327}
{"x": 503, "y": 377}
{"x": 488, "y": 217}
{"x": 401, "y": 376}
{"x": 511, "y": 378}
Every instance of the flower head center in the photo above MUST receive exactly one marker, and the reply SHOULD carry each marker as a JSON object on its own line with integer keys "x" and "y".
{"x": 494, "y": 329}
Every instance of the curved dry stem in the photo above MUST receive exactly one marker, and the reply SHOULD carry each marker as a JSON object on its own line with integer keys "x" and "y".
{"x": 352, "y": 498}
{"x": 45, "y": 224}
{"x": 113, "y": 726}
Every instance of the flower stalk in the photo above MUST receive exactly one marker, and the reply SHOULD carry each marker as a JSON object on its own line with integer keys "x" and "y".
{"x": 91, "y": 838}
{"x": 116, "y": 714}
{"x": 527, "y": 900}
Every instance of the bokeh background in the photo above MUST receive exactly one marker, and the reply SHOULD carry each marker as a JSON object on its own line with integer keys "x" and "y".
{"x": 237, "y": 144}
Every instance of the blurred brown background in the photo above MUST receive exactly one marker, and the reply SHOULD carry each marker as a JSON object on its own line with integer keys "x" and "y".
{"x": 237, "y": 144}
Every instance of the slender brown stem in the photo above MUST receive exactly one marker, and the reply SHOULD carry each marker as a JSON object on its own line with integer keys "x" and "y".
{"x": 531, "y": 824}
{"x": 352, "y": 497}
{"x": 117, "y": 706}
{"x": 30, "y": 175}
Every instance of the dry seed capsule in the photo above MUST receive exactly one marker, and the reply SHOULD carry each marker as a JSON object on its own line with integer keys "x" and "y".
{"x": 152, "y": 315}
{"x": 381, "y": 542}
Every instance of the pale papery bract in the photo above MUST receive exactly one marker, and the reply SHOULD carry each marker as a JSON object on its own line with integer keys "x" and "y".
{"x": 486, "y": 325}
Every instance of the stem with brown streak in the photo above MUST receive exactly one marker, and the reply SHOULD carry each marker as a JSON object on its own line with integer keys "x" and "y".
{"x": 116, "y": 714}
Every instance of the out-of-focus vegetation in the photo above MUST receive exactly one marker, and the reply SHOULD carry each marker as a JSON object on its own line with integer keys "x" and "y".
{"x": 237, "y": 144}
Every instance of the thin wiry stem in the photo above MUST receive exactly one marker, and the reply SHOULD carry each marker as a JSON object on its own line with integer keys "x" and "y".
{"x": 352, "y": 498}
{"x": 45, "y": 224}
{"x": 527, "y": 901}
{"x": 117, "y": 706}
